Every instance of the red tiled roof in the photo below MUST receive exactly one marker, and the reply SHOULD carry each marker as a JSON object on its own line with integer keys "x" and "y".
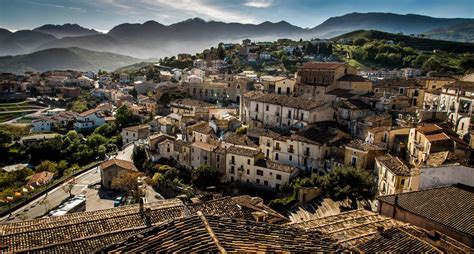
{"x": 121, "y": 163}
{"x": 437, "y": 137}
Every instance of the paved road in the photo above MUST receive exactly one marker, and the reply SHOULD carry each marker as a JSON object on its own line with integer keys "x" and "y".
{"x": 41, "y": 205}
{"x": 126, "y": 154}
{"x": 35, "y": 113}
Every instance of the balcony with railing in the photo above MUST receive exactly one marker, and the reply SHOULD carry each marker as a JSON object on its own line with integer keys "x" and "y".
{"x": 291, "y": 150}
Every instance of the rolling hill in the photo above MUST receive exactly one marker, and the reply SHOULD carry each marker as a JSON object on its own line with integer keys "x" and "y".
{"x": 65, "y": 58}
{"x": 152, "y": 39}
{"x": 387, "y": 22}
{"x": 425, "y": 44}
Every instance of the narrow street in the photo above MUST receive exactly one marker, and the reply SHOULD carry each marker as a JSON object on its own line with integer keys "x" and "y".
{"x": 40, "y": 206}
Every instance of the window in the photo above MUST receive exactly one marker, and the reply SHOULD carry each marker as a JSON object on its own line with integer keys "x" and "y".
{"x": 301, "y": 117}
{"x": 267, "y": 108}
{"x": 232, "y": 170}
{"x": 256, "y": 108}
{"x": 248, "y": 161}
{"x": 278, "y": 177}
{"x": 232, "y": 159}
{"x": 276, "y": 156}
{"x": 248, "y": 171}
{"x": 290, "y": 158}
{"x": 354, "y": 161}
{"x": 258, "y": 181}
{"x": 265, "y": 183}
{"x": 218, "y": 157}
{"x": 289, "y": 114}
{"x": 259, "y": 172}
{"x": 403, "y": 182}
{"x": 248, "y": 181}
{"x": 277, "y": 186}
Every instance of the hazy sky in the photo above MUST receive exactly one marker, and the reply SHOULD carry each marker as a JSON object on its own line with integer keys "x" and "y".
{"x": 105, "y": 14}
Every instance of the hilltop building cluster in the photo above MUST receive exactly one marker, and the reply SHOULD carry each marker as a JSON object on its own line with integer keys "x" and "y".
{"x": 413, "y": 133}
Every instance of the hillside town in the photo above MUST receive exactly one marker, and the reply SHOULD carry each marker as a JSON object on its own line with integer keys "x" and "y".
{"x": 286, "y": 144}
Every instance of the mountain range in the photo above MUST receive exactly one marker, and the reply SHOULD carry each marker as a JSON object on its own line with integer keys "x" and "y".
{"x": 152, "y": 39}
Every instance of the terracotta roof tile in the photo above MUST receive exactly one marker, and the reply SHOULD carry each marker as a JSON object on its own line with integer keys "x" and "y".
{"x": 368, "y": 232}
{"x": 121, "y": 163}
{"x": 394, "y": 164}
{"x": 446, "y": 205}
{"x": 217, "y": 234}
{"x": 284, "y": 100}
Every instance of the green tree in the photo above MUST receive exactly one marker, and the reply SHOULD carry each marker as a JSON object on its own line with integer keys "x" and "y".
{"x": 128, "y": 181}
{"x": 125, "y": 117}
{"x": 106, "y": 130}
{"x": 348, "y": 182}
{"x": 139, "y": 156}
{"x": 360, "y": 41}
{"x": 221, "y": 52}
{"x": 204, "y": 176}
{"x": 46, "y": 166}
{"x": 5, "y": 138}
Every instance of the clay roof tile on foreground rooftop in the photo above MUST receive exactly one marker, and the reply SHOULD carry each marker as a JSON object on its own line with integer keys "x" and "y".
{"x": 217, "y": 234}
{"x": 451, "y": 206}
{"x": 88, "y": 232}
{"x": 368, "y": 232}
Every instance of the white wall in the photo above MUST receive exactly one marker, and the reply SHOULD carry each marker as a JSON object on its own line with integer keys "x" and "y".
{"x": 432, "y": 177}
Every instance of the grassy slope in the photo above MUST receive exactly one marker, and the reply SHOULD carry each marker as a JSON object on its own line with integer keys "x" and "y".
{"x": 414, "y": 42}
{"x": 65, "y": 58}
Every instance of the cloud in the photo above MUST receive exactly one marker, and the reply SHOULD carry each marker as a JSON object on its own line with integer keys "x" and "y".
{"x": 178, "y": 10}
{"x": 259, "y": 3}
{"x": 77, "y": 9}
{"x": 49, "y": 5}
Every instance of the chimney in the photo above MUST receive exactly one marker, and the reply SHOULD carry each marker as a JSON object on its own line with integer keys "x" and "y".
{"x": 259, "y": 216}
{"x": 141, "y": 206}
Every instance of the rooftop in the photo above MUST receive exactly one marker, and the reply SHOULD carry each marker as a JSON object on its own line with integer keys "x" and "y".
{"x": 238, "y": 140}
{"x": 322, "y": 65}
{"x": 394, "y": 164}
{"x": 446, "y": 205}
{"x": 353, "y": 104}
{"x": 429, "y": 128}
{"x": 367, "y": 232}
{"x": 120, "y": 163}
{"x": 87, "y": 232}
{"x": 361, "y": 145}
{"x": 137, "y": 128}
{"x": 211, "y": 234}
{"x": 89, "y": 112}
{"x": 204, "y": 146}
{"x": 352, "y": 78}
{"x": 284, "y": 100}
{"x": 242, "y": 151}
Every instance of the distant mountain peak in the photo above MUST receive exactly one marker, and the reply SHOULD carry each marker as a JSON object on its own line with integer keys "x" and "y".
{"x": 65, "y": 30}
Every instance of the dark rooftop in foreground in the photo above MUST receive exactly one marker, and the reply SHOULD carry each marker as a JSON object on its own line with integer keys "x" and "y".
{"x": 447, "y": 205}
{"x": 217, "y": 234}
